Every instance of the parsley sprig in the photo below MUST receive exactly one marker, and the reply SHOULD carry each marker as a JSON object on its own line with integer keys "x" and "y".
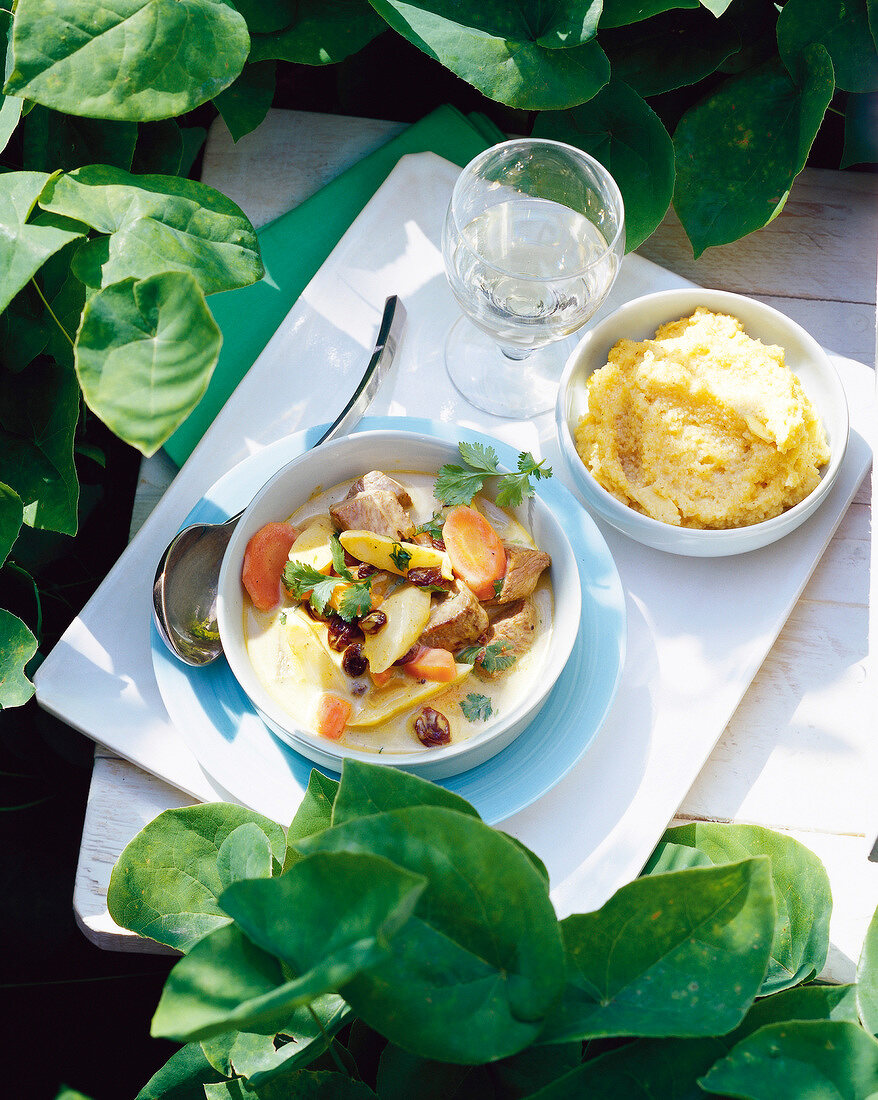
{"x": 459, "y": 484}
{"x": 492, "y": 657}
{"x": 355, "y": 598}
{"x": 476, "y": 707}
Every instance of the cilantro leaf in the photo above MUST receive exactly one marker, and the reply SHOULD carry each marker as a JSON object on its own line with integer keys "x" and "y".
{"x": 301, "y": 579}
{"x": 459, "y": 484}
{"x": 400, "y": 557}
{"x": 476, "y": 707}
{"x": 492, "y": 657}
{"x": 338, "y": 562}
{"x": 432, "y": 526}
{"x": 356, "y": 600}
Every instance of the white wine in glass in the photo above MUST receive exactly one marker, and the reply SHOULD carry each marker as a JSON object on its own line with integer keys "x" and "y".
{"x": 532, "y": 243}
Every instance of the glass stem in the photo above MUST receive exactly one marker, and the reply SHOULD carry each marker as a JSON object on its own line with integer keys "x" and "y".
{"x": 516, "y": 354}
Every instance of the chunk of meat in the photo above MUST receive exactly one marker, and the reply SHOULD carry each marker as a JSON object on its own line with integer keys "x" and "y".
{"x": 456, "y": 620}
{"x": 524, "y": 566}
{"x": 514, "y": 627}
{"x": 375, "y": 479}
{"x": 375, "y": 510}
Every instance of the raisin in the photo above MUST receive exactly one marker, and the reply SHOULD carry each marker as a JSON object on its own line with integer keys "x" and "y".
{"x": 431, "y": 728}
{"x": 342, "y": 633}
{"x": 409, "y": 654}
{"x": 353, "y": 661}
{"x": 429, "y": 576}
{"x": 373, "y": 622}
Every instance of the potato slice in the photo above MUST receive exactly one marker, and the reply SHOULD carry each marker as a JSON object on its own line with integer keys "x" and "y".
{"x": 386, "y": 553}
{"x": 400, "y": 694}
{"x": 407, "y": 610}
{"x": 307, "y": 660}
{"x": 312, "y": 547}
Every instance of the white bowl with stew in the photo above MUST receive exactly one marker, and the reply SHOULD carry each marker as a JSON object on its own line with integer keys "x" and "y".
{"x": 638, "y": 320}
{"x": 282, "y": 671}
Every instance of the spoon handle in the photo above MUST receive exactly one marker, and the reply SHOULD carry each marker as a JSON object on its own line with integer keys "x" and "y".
{"x": 389, "y": 334}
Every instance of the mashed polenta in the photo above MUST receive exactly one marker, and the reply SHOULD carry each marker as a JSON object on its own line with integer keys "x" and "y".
{"x": 701, "y": 426}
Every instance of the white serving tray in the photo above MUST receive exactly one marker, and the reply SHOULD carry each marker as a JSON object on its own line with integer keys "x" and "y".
{"x": 698, "y": 629}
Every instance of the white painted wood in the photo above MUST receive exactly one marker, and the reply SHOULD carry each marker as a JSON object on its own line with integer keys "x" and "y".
{"x": 796, "y": 754}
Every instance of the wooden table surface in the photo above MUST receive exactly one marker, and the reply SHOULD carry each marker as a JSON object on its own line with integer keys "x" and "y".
{"x": 797, "y": 754}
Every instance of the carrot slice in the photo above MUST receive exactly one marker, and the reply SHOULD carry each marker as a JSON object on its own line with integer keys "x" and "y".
{"x": 332, "y": 715}
{"x": 432, "y": 664}
{"x": 475, "y": 549}
{"x": 264, "y": 561}
{"x": 379, "y": 679}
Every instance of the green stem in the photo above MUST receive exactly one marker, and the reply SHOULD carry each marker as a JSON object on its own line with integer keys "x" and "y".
{"x": 52, "y": 312}
{"x": 835, "y": 111}
{"x": 330, "y": 1043}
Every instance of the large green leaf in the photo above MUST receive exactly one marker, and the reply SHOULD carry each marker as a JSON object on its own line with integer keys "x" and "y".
{"x": 53, "y": 141}
{"x": 24, "y": 329}
{"x": 11, "y": 519}
{"x": 842, "y": 27}
{"x": 39, "y": 409}
{"x": 739, "y": 150}
{"x": 860, "y": 130}
{"x": 304, "y": 1084}
{"x": 166, "y": 882}
{"x": 24, "y": 248}
{"x": 647, "y": 1069}
{"x": 677, "y": 954}
{"x": 867, "y": 978}
{"x": 472, "y": 975}
{"x": 17, "y": 646}
{"x": 623, "y": 132}
{"x": 673, "y": 50}
{"x": 144, "y": 355}
{"x": 133, "y": 59}
{"x": 801, "y": 891}
{"x": 319, "y": 32}
{"x": 620, "y": 13}
{"x": 326, "y": 918}
{"x": 525, "y": 54}
{"x": 182, "y": 1077}
{"x": 821, "y": 1060}
{"x": 403, "y": 1075}
{"x": 244, "y": 854}
{"x": 10, "y": 106}
{"x": 313, "y": 815}
{"x": 804, "y": 1002}
{"x": 245, "y": 103}
{"x": 156, "y": 224}
{"x": 369, "y": 789}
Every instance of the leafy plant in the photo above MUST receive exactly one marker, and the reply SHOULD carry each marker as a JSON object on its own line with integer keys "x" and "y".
{"x": 109, "y": 254}
{"x": 391, "y": 928}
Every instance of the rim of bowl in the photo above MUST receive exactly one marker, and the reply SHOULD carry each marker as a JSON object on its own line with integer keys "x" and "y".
{"x": 632, "y": 520}
{"x": 239, "y": 660}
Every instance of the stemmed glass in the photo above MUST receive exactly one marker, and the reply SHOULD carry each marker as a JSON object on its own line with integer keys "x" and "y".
{"x": 532, "y": 243}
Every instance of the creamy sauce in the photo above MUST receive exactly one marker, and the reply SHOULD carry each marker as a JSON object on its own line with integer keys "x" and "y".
{"x": 291, "y": 656}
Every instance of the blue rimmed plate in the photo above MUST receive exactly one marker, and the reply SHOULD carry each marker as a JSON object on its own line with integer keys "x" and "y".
{"x": 237, "y": 751}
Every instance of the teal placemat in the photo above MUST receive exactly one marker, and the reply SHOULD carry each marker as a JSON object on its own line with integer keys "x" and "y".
{"x": 296, "y": 244}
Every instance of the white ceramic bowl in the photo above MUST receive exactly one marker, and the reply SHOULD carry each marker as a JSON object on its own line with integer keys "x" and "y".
{"x": 638, "y": 320}
{"x": 394, "y": 452}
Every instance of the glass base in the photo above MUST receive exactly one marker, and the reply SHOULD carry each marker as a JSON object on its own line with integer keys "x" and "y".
{"x": 505, "y": 387}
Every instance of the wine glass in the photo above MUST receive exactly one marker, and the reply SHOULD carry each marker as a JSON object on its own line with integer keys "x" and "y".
{"x": 532, "y": 243}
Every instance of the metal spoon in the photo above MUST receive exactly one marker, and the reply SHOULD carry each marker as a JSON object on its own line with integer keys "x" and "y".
{"x": 185, "y": 588}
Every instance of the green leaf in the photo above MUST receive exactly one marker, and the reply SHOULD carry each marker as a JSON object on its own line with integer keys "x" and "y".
{"x": 182, "y": 1077}
{"x": 313, "y": 815}
{"x": 144, "y": 355}
{"x": 166, "y": 882}
{"x": 619, "y": 13}
{"x": 24, "y": 248}
{"x": 24, "y": 332}
{"x": 135, "y": 59}
{"x": 369, "y": 789}
{"x": 673, "y": 50}
{"x": 676, "y": 954}
{"x": 304, "y": 1084}
{"x": 322, "y": 32}
{"x": 867, "y": 978}
{"x": 245, "y": 103}
{"x": 842, "y": 27}
{"x": 10, "y": 106}
{"x": 795, "y": 1059}
{"x": 11, "y": 519}
{"x": 156, "y": 224}
{"x": 38, "y": 413}
{"x": 244, "y": 854}
{"x": 860, "y": 130}
{"x": 525, "y": 54}
{"x": 327, "y": 918}
{"x": 533, "y": 1068}
{"x": 474, "y": 972}
{"x": 647, "y": 1069}
{"x": 739, "y": 150}
{"x": 54, "y": 141}
{"x": 801, "y": 891}
{"x": 403, "y": 1075}
{"x": 804, "y": 1002}
{"x": 621, "y": 131}
{"x": 17, "y": 646}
